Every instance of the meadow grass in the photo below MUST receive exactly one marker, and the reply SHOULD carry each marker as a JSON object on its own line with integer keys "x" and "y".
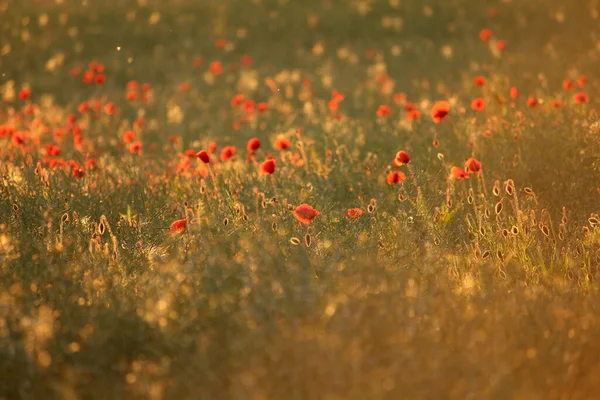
{"x": 130, "y": 268}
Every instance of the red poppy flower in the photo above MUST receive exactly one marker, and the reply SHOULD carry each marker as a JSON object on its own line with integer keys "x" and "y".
{"x": 87, "y": 77}
{"x": 383, "y": 110}
{"x": 333, "y": 105}
{"x": 501, "y": 44}
{"x": 237, "y": 99}
{"x": 220, "y": 43}
{"x": 567, "y": 84}
{"x": 135, "y": 147}
{"x": 132, "y": 85}
{"x": 227, "y": 153}
{"x": 305, "y": 213}
{"x": 395, "y": 177}
{"x": 262, "y": 107}
{"x": 216, "y": 68}
{"x": 246, "y": 60}
{"x": 412, "y": 115}
{"x": 146, "y": 87}
{"x": 410, "y": 107}
{"x": 196, "y": 62}
{"x": 100, "y": 79}
{"x": 556, "y": 103}
{"x": 581, "y": 97}
{"x": 83, "y": 107}
{"x": 212, "y": 147}
{"x": 109, "y": 108}
{"x": 399, "y": 98}
{"x": 203, "y": 156}
{"x": 582, "y": 80}
{"x": 190, "y": 153}
{"x": 439, "y": 110}
{"x": 248, "y": 106}
{"x": 282, "y": 143}
{"x": 268, "y": 167}
{"x": 129, "y": 136}
{"x": 485, "y": 35}
{"x": 184, "y": 86}
{"x": 24, "y": 94}
{"x": 178, "y": 225}
{"x": 253, "y": 145}
{"x": 355, "y": 213}
{"x": 514, "y": 92}
{"x": 479, "y": 81}
{"x": 532, "y": 102}
{"x": 478, "y": 104}
{"x": 131, "y": 96}
{"x": 78, "y": 172}
{"x": 473, "y": 165}
{"x": 337, "y": 96}
{"x": 458, "y": 173}
{"x": 402, "y": 157}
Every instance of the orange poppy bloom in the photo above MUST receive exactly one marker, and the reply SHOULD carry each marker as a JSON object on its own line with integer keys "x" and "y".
{"x": 268, "y": 166}
{"x": 439, "y": 111}
{"x": 581, "y": 97}
{"x": 178, "y": 225}
{"x": 227, "y": 153}
{"x": 305, "y": 213}
{"x": 479, "y": 81}
{"x": 382, "y": 111}
{"x": 402, "y": 157}
{"x": 478, "y": 104}
{"x": 395, "y": 177}
{"x": 485, "y": 35}
{"x": 355, "y": 213}
{"x": 458, "y": 173}
{"x": 282, "y": 143}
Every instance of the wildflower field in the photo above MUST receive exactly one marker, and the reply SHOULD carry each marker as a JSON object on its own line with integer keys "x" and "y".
{"x": 299, "y": 199}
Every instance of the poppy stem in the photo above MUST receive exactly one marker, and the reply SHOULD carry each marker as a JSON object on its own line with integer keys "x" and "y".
{"x": 481, "y": 181}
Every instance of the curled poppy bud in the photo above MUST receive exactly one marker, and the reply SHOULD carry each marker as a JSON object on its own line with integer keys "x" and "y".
{"x": 473, "y": 165}
{"x": 253, "y": 145}
{"x": 203, "y": 156}
{"x": 305, "y": 213}
{"x": 268, "y": 167}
